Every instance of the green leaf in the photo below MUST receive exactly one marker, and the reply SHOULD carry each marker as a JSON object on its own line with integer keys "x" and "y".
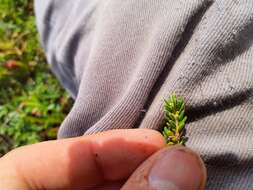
{"x": 169, "y": 116}
{"x": 181, "y": 116}
{"x": 168, "y": 132}
{"x": 182, "y": 107}
{"x": 171, "y": 143}
{"x": 180, "y": 102}
{"x": 185, "y": 118}
{"x": 173, "y": 101}
{"x": 172, "y": 124}
{"x": 181, "y": 125}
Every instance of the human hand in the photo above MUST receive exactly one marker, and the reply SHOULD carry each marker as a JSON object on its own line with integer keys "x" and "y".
{"x": 103, "y": 162}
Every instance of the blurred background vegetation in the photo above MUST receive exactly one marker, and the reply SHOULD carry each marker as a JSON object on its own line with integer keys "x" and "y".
{"x": 32, "y": 103}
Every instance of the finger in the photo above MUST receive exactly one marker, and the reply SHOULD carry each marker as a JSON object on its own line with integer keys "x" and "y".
{"x": 84, "y": 162}
{"x": 176, "y": 168}
{"x": 115, "y": 185}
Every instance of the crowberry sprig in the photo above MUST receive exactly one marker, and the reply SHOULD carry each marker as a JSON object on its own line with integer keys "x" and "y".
{"x": 175, "y": 119}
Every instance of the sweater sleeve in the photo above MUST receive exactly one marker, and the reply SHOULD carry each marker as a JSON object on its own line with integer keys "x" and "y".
{"x": 120, "y": 59}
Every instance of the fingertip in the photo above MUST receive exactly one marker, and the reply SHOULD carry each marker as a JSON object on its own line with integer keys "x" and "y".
{"x": 143, "y": 136}
{"x": 174, "y": 167}
{"x": 178, "y": 167}
{"x": 199, "y": 161}
{"x": 154, "y": 137}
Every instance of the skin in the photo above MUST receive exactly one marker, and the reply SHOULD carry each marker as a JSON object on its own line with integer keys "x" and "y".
{"x": 106, "y": 161}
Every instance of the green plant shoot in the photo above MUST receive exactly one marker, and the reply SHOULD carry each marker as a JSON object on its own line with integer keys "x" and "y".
{"x": 174, "y": 130}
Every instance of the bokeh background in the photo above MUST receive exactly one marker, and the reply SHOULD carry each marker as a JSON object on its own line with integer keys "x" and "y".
{"x": 32, "y": 102}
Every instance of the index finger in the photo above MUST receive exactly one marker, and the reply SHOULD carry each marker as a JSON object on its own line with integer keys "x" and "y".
{"x": 84, "y": 162}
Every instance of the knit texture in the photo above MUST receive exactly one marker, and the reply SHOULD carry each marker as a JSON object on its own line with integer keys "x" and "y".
{"x": 120, "y": 59}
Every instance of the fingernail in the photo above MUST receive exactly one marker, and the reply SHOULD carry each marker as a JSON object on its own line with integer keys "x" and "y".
{"x": 176, "y": 169}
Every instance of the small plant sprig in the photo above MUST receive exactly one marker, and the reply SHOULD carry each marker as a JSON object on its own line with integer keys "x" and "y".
{"x": 174, "y": 129}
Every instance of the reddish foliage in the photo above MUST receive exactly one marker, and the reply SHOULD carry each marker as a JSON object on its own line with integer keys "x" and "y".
{"x": 11, "y": 64}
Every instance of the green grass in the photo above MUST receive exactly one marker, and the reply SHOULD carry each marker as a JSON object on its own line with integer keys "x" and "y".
{"x": 32, "y": 103}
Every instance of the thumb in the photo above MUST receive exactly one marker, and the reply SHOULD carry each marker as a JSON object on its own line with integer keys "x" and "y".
{"x": 175, "y": 168}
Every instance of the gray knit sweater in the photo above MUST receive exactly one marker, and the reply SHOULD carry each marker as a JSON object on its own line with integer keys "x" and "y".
{"x": 120, "y": 59}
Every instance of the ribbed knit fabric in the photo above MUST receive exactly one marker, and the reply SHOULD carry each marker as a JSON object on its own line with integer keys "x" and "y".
{"x": 120, "y": 59}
